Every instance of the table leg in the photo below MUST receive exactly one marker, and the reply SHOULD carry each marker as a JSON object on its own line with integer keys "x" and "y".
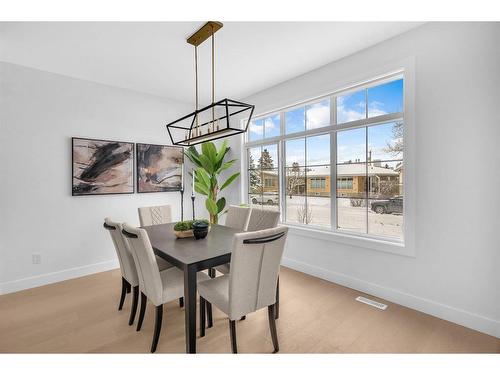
{"x": 190, "y": 307}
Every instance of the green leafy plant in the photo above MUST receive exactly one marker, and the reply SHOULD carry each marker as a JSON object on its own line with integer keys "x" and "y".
{"x": 188, "y": 224}
{"x": 210, "y": 164}
{"x": 183, "y": 225}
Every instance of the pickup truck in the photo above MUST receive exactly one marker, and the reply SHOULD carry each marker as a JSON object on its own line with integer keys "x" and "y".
{"x": 388, "y": 206}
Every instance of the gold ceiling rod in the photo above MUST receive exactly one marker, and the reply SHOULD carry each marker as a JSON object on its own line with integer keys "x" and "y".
{"x": 208, "y": 30}
{"x": 204, "y": 32}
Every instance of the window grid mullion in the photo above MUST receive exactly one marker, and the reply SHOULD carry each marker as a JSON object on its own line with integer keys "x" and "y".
{"x": 332, "y": 130}
{"x": 333, "y": 166}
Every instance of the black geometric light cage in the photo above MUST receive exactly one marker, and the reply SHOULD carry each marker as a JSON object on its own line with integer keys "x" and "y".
{"x": 218, "y": 120}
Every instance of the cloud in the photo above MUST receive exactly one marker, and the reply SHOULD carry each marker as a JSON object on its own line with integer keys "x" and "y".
{"x": 349, "y": 114}
{"x": 318, "y": 115}
{"x": 256, "y": 129}
{"x": 375, "y": 108}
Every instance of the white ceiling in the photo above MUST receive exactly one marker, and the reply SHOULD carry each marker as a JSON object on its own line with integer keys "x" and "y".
{"x": 155, "y": 58}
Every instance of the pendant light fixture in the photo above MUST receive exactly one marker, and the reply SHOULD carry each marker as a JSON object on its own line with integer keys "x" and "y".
{"x": 218, "y": 120}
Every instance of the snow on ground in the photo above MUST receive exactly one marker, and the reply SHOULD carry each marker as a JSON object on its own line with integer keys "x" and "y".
{"x": 349, "y": 218}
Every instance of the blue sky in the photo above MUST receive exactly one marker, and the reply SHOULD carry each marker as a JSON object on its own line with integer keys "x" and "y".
{"x": 382, "y": 99}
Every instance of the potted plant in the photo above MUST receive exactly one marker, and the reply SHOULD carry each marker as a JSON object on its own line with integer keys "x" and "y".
{"x": 210, "y": 164}
{"x": 187, "y": 228}
{"x": 184, "y": 229}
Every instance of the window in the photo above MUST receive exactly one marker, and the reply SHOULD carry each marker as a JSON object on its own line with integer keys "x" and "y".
{"x": 270, "y": 182}
{"x": 317, "y": 183}
{"x": 263, "y": 176}
{"x": 307, "y": 167}
{"x": 344, "y": 183}
{"x": 361, "y": 130}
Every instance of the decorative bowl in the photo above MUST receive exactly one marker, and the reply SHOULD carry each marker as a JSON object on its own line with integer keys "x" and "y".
{"x": 184, "y": 233}
{"x": 200, "y": 229}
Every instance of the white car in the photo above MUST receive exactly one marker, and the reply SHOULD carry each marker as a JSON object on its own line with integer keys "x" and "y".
{"x": 265, "y": 199}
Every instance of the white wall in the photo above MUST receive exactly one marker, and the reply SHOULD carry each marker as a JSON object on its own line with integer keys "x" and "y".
{"x": 455, "y": 273}
{"x": 39, "y": 113}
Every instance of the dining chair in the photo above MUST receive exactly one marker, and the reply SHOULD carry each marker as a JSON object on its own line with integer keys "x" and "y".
{"x": 251, "y": 284}
{"x": 259, "y": 219}
{"x": 155, "y": 215}
{"x": 237, "y": 217}
{"x": 262, "y": 219}
{"x": 155, "y": 286}
{"x": 127, "y": 266}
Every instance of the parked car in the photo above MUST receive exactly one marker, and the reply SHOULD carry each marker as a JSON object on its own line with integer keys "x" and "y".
{"x": 265, "y": 199}
{"x": 388, "y": 206}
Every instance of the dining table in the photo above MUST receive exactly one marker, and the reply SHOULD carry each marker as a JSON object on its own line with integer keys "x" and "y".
{"x": 191, "y": 256}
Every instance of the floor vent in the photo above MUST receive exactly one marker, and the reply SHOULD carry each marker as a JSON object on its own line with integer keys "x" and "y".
{"x": 370, "y": 302}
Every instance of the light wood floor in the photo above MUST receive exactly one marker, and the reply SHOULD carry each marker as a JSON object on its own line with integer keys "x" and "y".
{"x": 317, "y": 316}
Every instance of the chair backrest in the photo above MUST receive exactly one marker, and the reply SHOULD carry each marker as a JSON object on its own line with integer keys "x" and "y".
{"x": 237, "y": 217}
{"x": 125, "y": 257}
{"x": 255, "y": 262}
{"x": 262, "y": 219}
{"x": 145, "y": 260}
{"x": 155, "y": 215}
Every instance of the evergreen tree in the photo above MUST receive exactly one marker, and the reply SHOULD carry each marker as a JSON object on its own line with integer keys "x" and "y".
{"x": 265, "y": 160}
{"x": 254, "y": 176}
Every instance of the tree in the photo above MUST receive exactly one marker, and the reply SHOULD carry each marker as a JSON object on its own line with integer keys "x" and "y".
{"x": 265, "y": 160}
{"x": 295, "y": 177}
{"x": 304, "y": 214}
{"x": 396, "y": 146}
{"x": 388, "y": 188}
{"x": 254, "y": 176}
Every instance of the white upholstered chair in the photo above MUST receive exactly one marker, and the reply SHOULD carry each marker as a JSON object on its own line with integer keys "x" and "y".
{"x": 155, "y": 215}
{"x": 257, "y": 219}
{"x": 262, "y": 219}
{"x": 127, "y": 266}
{"x": 251, "y": 284}
{"x": 158, "y": 287}
{"x": 237, "y": 217}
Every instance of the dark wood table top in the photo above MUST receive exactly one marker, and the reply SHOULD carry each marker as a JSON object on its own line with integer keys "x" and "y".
{"x": 185, "y": 251}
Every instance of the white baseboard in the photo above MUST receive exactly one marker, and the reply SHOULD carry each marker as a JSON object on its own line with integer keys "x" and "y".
{"x": 452, "y": 314}
{"x": 54, "y": 277}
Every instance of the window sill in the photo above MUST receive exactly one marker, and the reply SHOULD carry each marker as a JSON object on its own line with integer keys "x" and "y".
{"x": 352, "y": 240}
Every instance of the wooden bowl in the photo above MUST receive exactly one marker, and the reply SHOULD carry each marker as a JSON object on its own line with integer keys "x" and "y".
{"x": 184, "y": 233}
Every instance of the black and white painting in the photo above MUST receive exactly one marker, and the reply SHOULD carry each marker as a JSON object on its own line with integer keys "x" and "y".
{"x": 102, "y": 167}
{"x": 159, "y": 168}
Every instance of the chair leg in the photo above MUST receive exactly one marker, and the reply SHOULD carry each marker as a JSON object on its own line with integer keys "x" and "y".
{"x": 124, "y": 292}
{"x": 243, "y": 317}
{"x": 209, "y": 315}
{"x": 211, "y": 272}
{"x": 133, "y": 310}
{"x": 271, "y": 312}
{"x": 232, "y": 331}
{"x": 202, "y": 317}
{"x": 142, "y": 311}
{"x": 181, "y": 302}
{"x": 156, "y": 335}
{"x": 128, "y": 288}
{"x": 277, "y": 305}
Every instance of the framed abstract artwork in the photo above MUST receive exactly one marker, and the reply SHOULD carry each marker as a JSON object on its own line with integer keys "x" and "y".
{"x": 159, "y": 168}
{"x": 102, "y": 167}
